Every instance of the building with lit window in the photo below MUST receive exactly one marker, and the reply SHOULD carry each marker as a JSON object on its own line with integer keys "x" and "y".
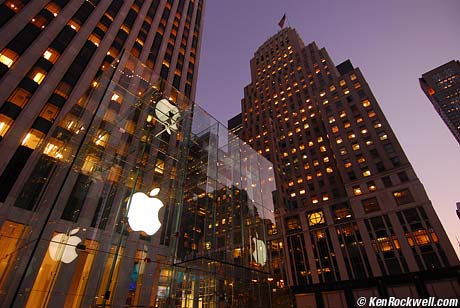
{"x": 354, "y": 218}
{"x": 52, "y": 51}
{"x": 442, "y": 87}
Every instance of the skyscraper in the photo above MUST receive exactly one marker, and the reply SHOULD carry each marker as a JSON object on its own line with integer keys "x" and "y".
{"x": 80, "y": 130}
{"x": 52, "y": 52}
{"x": 352, "y": 210}
{"x": 442, "y": 87}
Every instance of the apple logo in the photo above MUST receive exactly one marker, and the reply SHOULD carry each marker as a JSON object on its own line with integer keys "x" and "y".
{"x": 167, "y": 114}
{"x": 63, "y": 246}
{"x": 143, "y": 212}
{"x": 260, "y": 252}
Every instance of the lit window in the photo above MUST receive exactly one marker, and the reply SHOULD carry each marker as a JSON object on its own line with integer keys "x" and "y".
{"x": 353, "y": 77}
{"x": 377, "y": 124}
{"x": 369, "y": 142}
{"x": 101, "y": 138}
{"x": 335, "y": 129}
{"x": 366, "y": 173}
{"x": 326, "y": 159}
{"x": 315, "y": 218}
{"x": 329, "y": 170}
{"x": 346, "y": 124}
{"x": 361, "y": 159}
{"x": 359, "y": 120}
{"x": 371, "y": 114}
{"x": 346, "y": 91}
{"x": 160, "y": 166}
{"x": 357, "y": 190}
{"x": 331, "y": 119}
{"x": 54, "y": 148}
{"x": 302, "y": 192}
{"x": 347, "y": 164}
{"x": 7, "y": 57}
{"x": 332, "y": 88}
{"x": 421, "y": 237}
{"x": 366, "y": 103}
{"x": 342, "y": 82}
{"x": 383, "y": 136}
{"x": 51, "y": 55}
{"x": 371, "y": 186}
{"x": 5, "y": 124}
{"x": 291, "y": 183}
{"x": 322, "y": 148}
{"x": 355, "y": 146}
{"x": 72, "y": 24}
{"x": 38, "y": 77}
{"x": 343, "y": 114}
{"x": 343, "y": 151}
{"x": 351, "y": 136}
{"x": 53, "y": 8}
{"x": 47, "y": 55}
{"x": 315, "y": 163}
{"x": 339, "y": 140}
{"x": 94, "y": 39}
{"x": 293, "y": 194}
{"x": 364, "y": 131}
{"x": 32, "y": 139}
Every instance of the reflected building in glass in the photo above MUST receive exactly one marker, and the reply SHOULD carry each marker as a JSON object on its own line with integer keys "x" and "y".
{"x": 355, "y": 219}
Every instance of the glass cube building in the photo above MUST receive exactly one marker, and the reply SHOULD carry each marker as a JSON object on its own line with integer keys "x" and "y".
{"x": 138, "y": 197}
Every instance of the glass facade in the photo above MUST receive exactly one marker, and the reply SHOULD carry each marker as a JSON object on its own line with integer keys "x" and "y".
{"x": 139, "y": 198}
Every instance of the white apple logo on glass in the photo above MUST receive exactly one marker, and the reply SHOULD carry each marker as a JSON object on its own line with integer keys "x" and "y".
{"x": 63, "y": 246}
{"x": 167, "y": 114}
{"x": 143, "y": 212}
{"x": 260, "y": 251}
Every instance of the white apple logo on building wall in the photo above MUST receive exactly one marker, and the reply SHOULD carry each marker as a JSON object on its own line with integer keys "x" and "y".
{"x": 63, "y": 246}
{"x": 167, "y": 114}
{"x": 260, "y": 251}
{"x": 143, "y": 212}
